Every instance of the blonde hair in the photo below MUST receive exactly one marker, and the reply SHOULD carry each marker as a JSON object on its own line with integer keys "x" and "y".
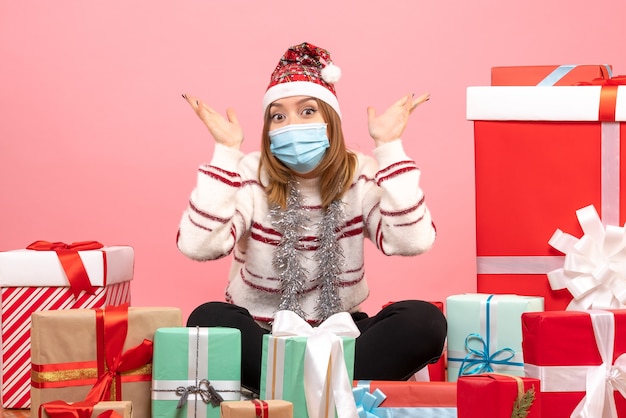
{"x": 336, "y": 169}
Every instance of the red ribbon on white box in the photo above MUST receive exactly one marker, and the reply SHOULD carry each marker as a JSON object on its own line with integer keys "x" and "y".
{"x": 598, "y": 382}
{"x": 71, "y": 262}
{"x": 326, "y": 380}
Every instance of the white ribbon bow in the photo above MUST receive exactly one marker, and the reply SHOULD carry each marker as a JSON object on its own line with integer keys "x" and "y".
{"x": 324, "y": 366}
{"x": 602, "y": 380}
{"x": 594, "y": 271}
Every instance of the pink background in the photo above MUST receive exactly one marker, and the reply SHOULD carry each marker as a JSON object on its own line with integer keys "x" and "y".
{"x": 97, "y": 143}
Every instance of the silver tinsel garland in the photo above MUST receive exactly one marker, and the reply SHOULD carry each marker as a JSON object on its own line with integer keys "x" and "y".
{"x": 330, "y": 259}
{"x": 287, "y": 259}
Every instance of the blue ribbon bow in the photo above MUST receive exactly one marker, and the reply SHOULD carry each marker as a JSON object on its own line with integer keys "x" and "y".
{"x": 366, "y": 402}
{"x": 480, "y": 360}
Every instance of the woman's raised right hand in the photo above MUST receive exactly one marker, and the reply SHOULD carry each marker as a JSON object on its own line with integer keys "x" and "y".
{"x": 225, "y": 131}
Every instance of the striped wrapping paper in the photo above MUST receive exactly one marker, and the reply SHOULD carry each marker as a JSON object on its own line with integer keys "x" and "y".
{"x": 21, "y": 295}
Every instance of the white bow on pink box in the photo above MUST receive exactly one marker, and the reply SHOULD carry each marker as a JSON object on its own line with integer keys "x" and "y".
{"x": 594, "y": 271}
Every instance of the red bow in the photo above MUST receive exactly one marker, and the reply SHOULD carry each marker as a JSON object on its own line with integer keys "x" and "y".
{"x": 71, "y": 262}
{"x": 111, "y": 330}
{"x": 62, "y": 409}
{"x": 608, "y": 95}
{"x": 618, "y": 80}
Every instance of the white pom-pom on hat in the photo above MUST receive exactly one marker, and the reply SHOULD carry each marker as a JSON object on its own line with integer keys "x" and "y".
{"x": 331, "y": 73}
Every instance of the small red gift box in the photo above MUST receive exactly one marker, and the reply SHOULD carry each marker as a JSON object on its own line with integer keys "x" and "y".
{"x": 542, "y": 153}
{"x": 496, "y": 395}
{"x": 53, "y": 276}
{"x": 576, "y": 354}
{"x": 412, "y": 398}
{"x": 550, "y": 75}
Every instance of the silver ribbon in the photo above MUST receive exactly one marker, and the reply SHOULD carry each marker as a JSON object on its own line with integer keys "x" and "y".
{"x": 204, "y": 388}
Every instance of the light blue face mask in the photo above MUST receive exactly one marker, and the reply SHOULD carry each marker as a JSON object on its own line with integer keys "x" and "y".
{"x": 300, "y": 147}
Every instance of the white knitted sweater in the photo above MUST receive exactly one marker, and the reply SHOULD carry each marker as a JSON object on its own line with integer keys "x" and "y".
{"x": 228, "y": 214}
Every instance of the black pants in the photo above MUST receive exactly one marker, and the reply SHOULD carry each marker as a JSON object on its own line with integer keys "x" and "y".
{"x": 394, "y": 344}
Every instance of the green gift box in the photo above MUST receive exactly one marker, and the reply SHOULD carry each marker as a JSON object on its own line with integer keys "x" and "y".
{"x": 283, "y": 367}
{"x": 190, "y": 365}
{"x": 485, "y": 333}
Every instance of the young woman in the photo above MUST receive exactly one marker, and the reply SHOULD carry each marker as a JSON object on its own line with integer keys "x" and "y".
{"x": 295, "y": 215}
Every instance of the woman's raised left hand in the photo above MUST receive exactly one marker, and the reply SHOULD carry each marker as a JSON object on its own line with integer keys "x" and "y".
{"x": 389, "y": 125}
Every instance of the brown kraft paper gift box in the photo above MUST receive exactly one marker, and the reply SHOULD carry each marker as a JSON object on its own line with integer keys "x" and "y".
{"x": 123, "y": 408}
{"x": 64, "y": 355}
{"x": 274, "y": 408}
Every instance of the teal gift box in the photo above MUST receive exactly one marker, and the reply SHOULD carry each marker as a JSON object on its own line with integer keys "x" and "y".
{"x": 485, "y": 333}
{"x": 285, "y": 358}
{"x": 189, "y": 366}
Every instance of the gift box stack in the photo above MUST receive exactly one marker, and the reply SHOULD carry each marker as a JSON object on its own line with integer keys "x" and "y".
{"x": 52, "y": 276}
{"x": 548, "y": 144}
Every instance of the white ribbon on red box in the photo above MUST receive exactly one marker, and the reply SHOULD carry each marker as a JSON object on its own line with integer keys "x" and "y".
{"x": 598, "y": 382}
{"x": 594, "y": 271}
{"x": 324, "y": 363}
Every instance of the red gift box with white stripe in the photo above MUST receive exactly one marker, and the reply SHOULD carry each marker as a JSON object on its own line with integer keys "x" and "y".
{"x": 580, "y": 358}
{"x": 542, "y": 153}
{"x": 37, "y": 280}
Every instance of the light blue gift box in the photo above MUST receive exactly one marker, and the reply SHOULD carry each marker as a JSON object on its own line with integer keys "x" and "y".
{"x": 188, "y": 365}
{"x": 485, "y": 333}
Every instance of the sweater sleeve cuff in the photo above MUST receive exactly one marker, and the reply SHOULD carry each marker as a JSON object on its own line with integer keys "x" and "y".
{"x": 226, "y": 158}
{"x": 390, "y": 153}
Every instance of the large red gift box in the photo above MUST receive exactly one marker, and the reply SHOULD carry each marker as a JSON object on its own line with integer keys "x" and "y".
{"x": 541, "y": 153}
{"x": 495, "y": 395}
{"x": 576, "y": 355}
{"x": 547, "y": 75}
{"x": 36, "y": 280}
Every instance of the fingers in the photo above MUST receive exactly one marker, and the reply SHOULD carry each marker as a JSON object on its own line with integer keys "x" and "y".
{"x": 371, "y": 113}
{"x": 232, "y": 117}
{"x": 194, "y": 102}
{"x": 419, "y": 100}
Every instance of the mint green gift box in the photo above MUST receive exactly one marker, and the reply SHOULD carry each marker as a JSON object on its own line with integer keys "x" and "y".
{"x": 485, "y": 333}
{"x": 186, "y": 361}
{"x": 282, "y": 369}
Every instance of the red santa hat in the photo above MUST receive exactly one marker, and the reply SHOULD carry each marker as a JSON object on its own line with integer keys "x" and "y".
{"x": 304, "y": 70}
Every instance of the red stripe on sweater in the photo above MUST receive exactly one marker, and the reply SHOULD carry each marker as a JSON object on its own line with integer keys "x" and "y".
{"x": 277, "y": 290}
{"x": 394, "y": 166}
{"x": 396, "y": 173}
{"x": 206, "y": 214}
{"x": 403, "y": 211}
{"x": 217, "y": 174}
